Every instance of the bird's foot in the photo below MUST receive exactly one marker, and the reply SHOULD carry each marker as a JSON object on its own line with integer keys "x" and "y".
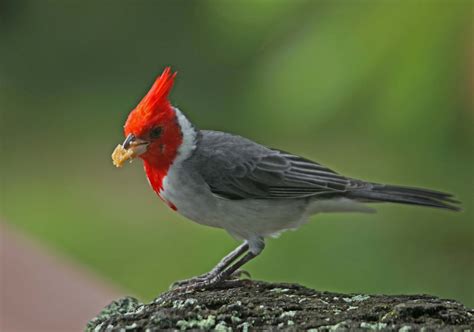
{"x": 205, "y": 283}
{"x": 209, "y": 280}
{"x": 188, "y": 282}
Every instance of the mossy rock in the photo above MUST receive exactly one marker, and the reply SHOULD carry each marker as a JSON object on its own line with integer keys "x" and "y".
{"x": 255, "y": 305}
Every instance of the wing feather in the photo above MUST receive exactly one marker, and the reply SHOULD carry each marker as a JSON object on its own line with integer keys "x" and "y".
{"x": 237, "y": 168}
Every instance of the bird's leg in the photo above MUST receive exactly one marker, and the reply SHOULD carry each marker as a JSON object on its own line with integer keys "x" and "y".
{"x": 227, "y": 260}
{"x": 235, "y": 267}
{"x": 224, "y": 274}
{"x": 221, "y": 266}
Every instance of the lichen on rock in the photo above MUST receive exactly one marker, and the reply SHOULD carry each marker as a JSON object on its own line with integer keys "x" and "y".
{"x": 255, "y": 305}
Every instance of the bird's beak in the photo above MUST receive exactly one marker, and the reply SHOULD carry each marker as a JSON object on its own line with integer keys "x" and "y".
{"x": 132, "y": 147}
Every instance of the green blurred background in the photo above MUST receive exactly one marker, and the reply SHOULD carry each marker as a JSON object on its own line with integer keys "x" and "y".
{"x": 376, "y": 90}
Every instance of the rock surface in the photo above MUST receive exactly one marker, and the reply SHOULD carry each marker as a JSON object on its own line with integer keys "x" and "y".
{"x": 256, "y": 305}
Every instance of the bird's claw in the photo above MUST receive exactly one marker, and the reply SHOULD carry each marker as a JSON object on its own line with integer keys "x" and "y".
{"x": 189, "y": 282}
{"x": 239, "y": 274}
{"x": 208, "y": 280}
{"x": 205, "y": 284}
{"x": 200, "y": 282}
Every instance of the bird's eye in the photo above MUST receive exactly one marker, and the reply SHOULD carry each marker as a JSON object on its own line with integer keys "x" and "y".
{"x": 155, "y": 132}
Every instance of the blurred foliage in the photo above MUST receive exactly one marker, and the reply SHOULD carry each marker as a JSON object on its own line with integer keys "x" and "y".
{"x": 377, "y": 90}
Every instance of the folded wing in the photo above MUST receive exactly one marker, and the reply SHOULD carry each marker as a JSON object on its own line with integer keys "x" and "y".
{"x": 237, "y": 168}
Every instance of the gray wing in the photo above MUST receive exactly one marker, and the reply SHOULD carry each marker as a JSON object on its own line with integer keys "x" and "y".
{"x": 237, "y": 168}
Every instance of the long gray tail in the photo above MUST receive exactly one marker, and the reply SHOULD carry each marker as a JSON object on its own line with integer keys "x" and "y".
{"x": 405, "y": 195}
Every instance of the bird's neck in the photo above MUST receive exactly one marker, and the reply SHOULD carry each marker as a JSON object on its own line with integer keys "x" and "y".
{"x": 159, "y": 164}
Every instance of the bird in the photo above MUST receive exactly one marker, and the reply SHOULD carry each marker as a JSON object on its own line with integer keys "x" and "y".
{"x": 226, "y": 181}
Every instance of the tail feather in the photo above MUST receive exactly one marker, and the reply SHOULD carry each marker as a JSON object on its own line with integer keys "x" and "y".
{"x": 405, "y": 195}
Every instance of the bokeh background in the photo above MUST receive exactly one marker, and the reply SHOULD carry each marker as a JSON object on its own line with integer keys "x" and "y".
{"x": 376, "y": 90}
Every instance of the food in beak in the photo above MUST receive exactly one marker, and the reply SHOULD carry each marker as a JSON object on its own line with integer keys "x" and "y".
{"x": 121, "y": 155}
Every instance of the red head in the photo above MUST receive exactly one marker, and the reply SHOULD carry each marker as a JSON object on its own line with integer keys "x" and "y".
{"x": 153, "y": 123}
{"x": 154, "y": 109}
{"x": 153, "y": 130}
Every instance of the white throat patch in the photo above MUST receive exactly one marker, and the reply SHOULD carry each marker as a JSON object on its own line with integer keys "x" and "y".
{"x": 189, "y": 136}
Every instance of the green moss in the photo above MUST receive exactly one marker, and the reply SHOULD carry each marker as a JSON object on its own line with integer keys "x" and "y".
{"x": 287, "y": 314}
{"x": 356, "y": 298}
{"x": 179, "y": 304}
{"x": 222, "y": 327}
{"x": 244, "y": 326}
{"x": 373, "y": 326}
{"x": 204, "y": 324}
{"x": 119, "y": 307}
{"x": 341, "y": 326}
{"x": 131, "y": 327}
{"x": 279, "y": 290}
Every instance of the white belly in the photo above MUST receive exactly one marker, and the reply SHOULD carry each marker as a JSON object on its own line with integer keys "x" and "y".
{"x": 244, "y": 219}
{"x": 248, "y": 219}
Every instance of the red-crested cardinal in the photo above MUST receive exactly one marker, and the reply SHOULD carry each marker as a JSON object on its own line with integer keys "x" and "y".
{"x": 228, "y": 181}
